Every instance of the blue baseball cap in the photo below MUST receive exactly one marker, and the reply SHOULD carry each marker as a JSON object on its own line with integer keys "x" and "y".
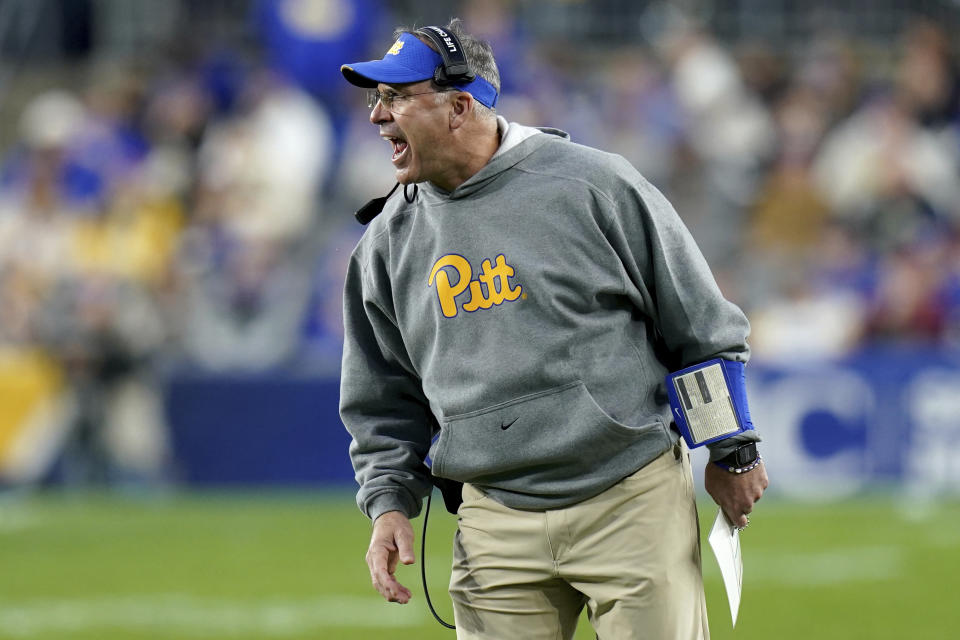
{"x": 410, "y": 60}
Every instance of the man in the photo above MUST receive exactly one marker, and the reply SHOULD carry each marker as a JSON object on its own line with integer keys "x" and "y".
{"x": 503, "y": 323}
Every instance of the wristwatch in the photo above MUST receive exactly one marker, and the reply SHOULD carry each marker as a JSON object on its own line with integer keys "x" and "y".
{"x": 744, "y": 458}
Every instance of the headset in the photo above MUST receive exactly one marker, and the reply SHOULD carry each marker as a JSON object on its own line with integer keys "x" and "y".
{"x": 455, "y": 69}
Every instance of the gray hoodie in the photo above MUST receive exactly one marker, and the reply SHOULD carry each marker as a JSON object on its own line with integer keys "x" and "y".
{"x": 522, "y": 316}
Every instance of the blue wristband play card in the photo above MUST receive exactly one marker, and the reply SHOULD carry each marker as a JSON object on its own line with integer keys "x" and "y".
{"x": 709, "y": 401}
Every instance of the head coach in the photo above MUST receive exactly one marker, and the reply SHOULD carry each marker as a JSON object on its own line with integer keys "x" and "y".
{"x": 510, "y": 318}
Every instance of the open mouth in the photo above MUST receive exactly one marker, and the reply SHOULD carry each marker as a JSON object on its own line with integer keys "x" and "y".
{"x": 399, "y": 148}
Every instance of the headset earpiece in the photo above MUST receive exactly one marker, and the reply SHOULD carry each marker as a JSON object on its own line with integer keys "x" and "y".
{"x": 455, "y": 68}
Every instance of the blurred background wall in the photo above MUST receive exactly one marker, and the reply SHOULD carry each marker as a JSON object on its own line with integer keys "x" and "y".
{"x": 177, "y": 181}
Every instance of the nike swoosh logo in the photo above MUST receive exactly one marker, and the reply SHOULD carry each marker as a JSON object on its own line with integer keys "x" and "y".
{"x": 508, "y": 425}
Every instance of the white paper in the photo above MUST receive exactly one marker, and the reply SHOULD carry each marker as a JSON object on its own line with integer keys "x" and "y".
{"x": 725, "y": 542}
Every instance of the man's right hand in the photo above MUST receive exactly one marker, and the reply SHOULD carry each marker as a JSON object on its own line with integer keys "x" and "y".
{"x": 392, "y": 541}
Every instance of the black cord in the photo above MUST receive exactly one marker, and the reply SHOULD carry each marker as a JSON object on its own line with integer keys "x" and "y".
{"x": 407, "y": 196}
{"x": 423, "y": 563}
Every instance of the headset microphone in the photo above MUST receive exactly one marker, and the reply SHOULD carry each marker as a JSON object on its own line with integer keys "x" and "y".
{"x": 372, "y": 209}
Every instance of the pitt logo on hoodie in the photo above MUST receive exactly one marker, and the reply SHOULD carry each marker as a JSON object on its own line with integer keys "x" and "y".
{"x": 492, "y": 286}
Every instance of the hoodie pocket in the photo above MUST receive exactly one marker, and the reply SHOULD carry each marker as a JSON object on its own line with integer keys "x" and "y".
{"x": 550, "y": 436}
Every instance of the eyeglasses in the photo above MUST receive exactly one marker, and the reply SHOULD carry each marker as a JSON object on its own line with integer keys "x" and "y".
{"x": 388, "y": 98}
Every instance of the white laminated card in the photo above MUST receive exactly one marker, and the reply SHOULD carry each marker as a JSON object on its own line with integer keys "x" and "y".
{"x": 725, "y": 542}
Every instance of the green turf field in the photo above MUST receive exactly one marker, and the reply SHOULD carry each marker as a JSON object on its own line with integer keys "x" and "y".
{"x": 291, "y": 566}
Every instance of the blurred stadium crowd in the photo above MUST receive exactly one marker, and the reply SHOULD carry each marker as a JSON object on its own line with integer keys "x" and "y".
{"x": 191, "y": 206}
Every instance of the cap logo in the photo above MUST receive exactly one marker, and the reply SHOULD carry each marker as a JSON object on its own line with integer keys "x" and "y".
{"x": 395, "y": 49}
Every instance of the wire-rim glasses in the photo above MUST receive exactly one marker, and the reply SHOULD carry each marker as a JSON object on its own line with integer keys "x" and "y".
{"x": 388, "y": 98}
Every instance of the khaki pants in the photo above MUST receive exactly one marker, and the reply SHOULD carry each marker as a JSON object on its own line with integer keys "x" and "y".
{"x": 630, "y": 554}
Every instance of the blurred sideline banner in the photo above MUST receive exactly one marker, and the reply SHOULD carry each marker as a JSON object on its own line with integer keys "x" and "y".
{"x": 257, "y": 430}
{"x": 883, "y": 418}
{"x": 880, "y": 418}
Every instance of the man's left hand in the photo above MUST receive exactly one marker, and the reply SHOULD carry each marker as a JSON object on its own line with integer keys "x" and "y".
{"x": 736, "y": 493}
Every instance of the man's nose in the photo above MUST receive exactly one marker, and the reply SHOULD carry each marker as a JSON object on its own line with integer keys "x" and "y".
{"x": 380, "y": 114}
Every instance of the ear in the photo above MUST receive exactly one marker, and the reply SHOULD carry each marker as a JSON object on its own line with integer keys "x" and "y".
{"x": 461, "y": 108}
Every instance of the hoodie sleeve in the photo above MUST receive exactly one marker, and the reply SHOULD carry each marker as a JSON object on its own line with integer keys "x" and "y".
{"x": 670, "y": 282}
{"x": 382, "y": 405}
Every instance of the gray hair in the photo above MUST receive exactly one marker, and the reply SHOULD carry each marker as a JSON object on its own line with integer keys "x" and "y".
{"x": 479, "y": 55}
